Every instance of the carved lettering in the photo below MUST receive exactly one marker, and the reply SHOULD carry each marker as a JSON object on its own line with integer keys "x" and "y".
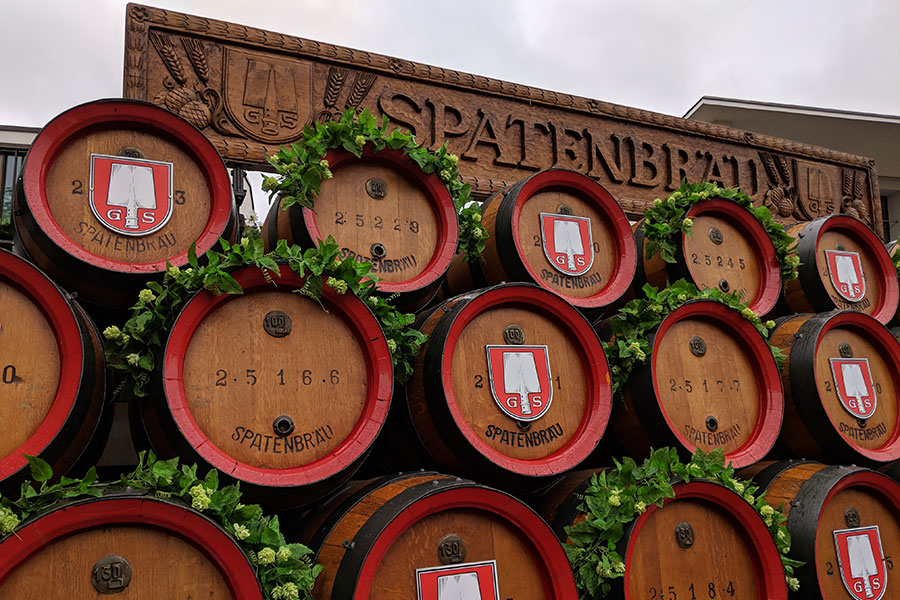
{"x": 260, "y": 98}
{"x": 606, "y": 157}
{"x": 713, "y": 438}
{"x": 644, "y": 170}
{"x": 859, "y": 433}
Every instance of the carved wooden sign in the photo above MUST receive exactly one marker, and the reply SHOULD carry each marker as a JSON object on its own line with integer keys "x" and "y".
{"x": 251, "y": 91}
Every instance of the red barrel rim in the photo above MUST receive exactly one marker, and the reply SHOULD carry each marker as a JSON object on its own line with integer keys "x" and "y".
{"x": 548, "y": 552}
{"x": 623, "y": 272}
{"x": 379, "y": 383}
{"x": 769, "y": 571}
{"x": 763, "y": 248}
{"x": 771, "y": 392}
{"x": 69, "y": 124}
{"x": 443, "y": 208}
{"x": 191, "y": 526}
{"x": 59, "y": 314}
{"x": 599, "y": 392}
{"x": 886, "y": 305}
{"x": 864, "y": 325}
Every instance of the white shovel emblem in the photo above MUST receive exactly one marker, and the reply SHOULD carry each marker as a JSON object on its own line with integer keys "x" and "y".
{"x": 567, "y": 240}
{"x": 845, "y": 271}
{"x": 853, "y": 384}
{"x": 462, "y": 586}
{"x": 862, "y": 561}
{"x": 520, "y": 377}
{"x": 131, "y": 186}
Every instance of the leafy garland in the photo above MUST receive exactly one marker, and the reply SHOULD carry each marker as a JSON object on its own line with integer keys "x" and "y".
{"x": 667, "y": 220}
{"x": 285, "y": 570}
{"x": 135, "y": 349}
{"x": 615, "y": 497}
{"x": 302, "y": 168}
{"x": 631, "y": 327}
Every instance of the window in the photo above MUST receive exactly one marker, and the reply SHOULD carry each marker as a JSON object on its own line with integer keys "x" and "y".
{"x": 10, "y": 166}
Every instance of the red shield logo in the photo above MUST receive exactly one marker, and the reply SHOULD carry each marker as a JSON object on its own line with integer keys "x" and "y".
{"x": 853, "y": 383}
{"x": 861, "y": 562}
{"x": 131, "y": 196}
{"x": 846, "y": 274}
{"x": 520, "y": 380}
{"x": 467, "y": 581}
{"x": 567, "y": 243}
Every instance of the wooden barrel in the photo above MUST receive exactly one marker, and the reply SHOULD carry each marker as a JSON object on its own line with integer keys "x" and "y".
{"x": 512, "y": 387}
{"x": 591, "y": 267}
{"x": 381, "y": 209}
{"x": 706, "y": 542}
{"x": 827, "y": 505}
{"x": 398, "y": 536}
{"x": 831, "y": 356}
{"x": 140, "y": 546}
{"x": 52, "y": 379}
{"x": 729, "y": 251}
{"x": 843, "y": 265}
{"x": 113, "y": 189}
{"x": 272, "y": 390}
{"x": 710, "y": 382}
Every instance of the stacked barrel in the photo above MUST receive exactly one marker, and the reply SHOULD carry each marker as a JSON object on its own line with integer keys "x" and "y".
{"x": 434, "y": 487}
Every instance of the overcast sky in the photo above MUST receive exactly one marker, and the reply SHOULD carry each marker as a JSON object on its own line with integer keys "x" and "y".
{"x": 653, "y": 54}
{"x": 661, "y": 55}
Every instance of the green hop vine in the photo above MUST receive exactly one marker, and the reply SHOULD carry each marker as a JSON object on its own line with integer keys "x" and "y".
{"x": 615, "y": 497}
{"x": 631, "y": 326}
{"x": 666, "y": 221}
{"x": 135, "y": 349}
{"x": 285, "y": 570}
{"x": 302, "y": 168}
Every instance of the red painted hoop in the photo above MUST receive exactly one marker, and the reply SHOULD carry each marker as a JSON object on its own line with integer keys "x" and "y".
{"x": 864, "y": 325}
{"x": 771, "y": 393}
{"x": 108, "y": 113}
{"x": 598, "y": 388}
{"x": 184, "y": 523}
{"x": 379, "y": 377}
{"x": 548, "y": 557}
{"x": 886, "y": 305}
{"x": 767, "y": 562}
{"x": 59, "y": 314}
{"x": 442, "y": 206}
{"x": 770, "y": 269}
{"x": 623, "y": 272}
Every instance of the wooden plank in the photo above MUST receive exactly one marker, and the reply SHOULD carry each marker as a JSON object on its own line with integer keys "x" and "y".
{"x": 251, "y": 91}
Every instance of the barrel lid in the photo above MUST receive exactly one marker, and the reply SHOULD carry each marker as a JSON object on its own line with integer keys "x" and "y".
{"x": 143, "y": 527}
{"x": 836, "y": 503}
{"x": 43, "y": 375}
{"x": 486, "y": 343}
{"x": 729, "y": 250}
{"x": 853, "y": 270}
{"x": 173, "y": 176}
{"x": 706, "y": 402}
{"x": 853, "y": 353}
{"x": 715, "y": 531}
{"x": 498, "y": 530}
{"x": 320, "y": 382}
{"x": 382, "y": 208}
{"x": 571, "y": 237}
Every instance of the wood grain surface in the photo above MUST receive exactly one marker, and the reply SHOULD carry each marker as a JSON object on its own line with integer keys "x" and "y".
{"x": 735, "y": 260}
{"x": 239, "y": 379}
{"x": 29, "y": 372}
{"x": 403, "y": 221}
{"x": 722, "y": 383}
{"x": 163, "y": 566}
{"x": 719, "y": 564}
